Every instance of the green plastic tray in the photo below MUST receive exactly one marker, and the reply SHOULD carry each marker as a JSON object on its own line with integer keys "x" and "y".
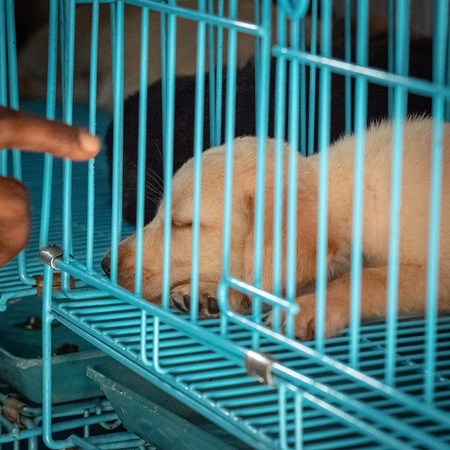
{"x": 157, "y": 417}
{"x": 21, "y": 361}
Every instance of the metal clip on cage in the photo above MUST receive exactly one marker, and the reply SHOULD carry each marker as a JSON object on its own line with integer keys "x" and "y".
{"x": 49, "y": 253}
{"x": 259, "y": 366}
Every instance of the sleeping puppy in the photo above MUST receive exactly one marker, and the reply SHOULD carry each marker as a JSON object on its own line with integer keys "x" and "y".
{"x": 421, "y": 64}
{"x": 414, "y": 222}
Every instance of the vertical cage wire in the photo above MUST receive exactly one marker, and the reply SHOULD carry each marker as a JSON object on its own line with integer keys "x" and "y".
{"x": 164, "y": 59}
{"x": 215, "y": 51}
{"x": 348, "y": 56}
{"x": 141, "y": 175}
{"x": 298, "y": 419}
{"x": 391, "y": 52}
{"x": 282, "y": 394}
{"x": 312, "y": 78}
{"x": 291, "y": 231}
{"x": 117, "y": 20}
{"x": 67, "y": 73}
{"x": 92, "y": 129}
{"x": 50, "y": 114}
{"x": 168, "y": 121}
{"x": 302, "y": 88}
{"x": 324, "y": 132}
{"x": 280, "y": 108}
{"x": 47, "y": 319}
{"x": 358, "y": 206}
{"x": 229, "y": 135}
{"x": 262, "y": 105}
{"x": 400, "y": 96}
{"x": 12, "y": 67}
{"x": 198, "y": 145}
{"x": 447, "y": 102}
{"x": 3, "y": 78}
{"x": 432, "y": 295}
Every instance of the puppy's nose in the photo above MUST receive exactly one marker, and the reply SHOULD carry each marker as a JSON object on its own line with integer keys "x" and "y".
{"x": 106, "y": 265}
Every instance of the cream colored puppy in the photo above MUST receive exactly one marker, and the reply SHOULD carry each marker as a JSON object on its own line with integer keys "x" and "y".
{"x": 414, "y": 223}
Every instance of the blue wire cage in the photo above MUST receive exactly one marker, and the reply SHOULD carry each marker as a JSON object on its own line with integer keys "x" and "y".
{"x": 381, "y": 384}
{"x": 21, "y": 423}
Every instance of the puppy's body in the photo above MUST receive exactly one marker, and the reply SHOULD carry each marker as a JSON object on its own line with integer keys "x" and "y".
{"x": 421, "y": 52}
{"x": 414, "y": 220}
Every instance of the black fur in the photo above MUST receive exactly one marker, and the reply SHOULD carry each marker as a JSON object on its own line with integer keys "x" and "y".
{"x": 420, "y": 66}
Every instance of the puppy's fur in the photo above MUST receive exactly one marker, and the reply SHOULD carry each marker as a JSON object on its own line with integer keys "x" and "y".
{"x": 414, "y": 224}
{"x": 245, "y": 115}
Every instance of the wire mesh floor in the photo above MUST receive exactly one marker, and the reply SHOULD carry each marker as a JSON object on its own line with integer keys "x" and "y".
{"x": 209, "y": 382}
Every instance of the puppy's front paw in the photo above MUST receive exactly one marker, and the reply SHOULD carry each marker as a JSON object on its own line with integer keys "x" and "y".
{"x": 305, "y": 319}
{"x": 304, "y": 328}
{"x": 207, "y": 301}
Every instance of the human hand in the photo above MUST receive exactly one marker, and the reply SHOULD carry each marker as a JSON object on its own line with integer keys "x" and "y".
{"x": 27, "y": 132}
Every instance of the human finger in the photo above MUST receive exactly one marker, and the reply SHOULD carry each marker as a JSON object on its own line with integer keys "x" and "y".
{"x": 15, "y": 219}
{"x": 27, "y": 132}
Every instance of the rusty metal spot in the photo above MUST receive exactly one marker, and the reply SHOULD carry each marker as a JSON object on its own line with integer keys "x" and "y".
{"x": 12, "y": 409}
{"x": 56, "y": 283}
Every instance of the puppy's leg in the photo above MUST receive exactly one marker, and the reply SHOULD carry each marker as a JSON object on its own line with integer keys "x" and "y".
{"x": 411, "y": 299}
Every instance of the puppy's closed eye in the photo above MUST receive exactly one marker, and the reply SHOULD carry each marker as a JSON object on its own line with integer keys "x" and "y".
{"x": 181, "y": 223}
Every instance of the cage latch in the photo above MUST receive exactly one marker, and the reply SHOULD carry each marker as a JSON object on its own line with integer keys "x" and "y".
{"x": 259, "y": 366}
{"x": 49, "y": 253}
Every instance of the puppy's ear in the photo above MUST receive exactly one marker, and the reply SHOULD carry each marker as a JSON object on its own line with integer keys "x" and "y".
{"x": 267, "y": 244}
{"x": 249, "y": 239}
{"x": 333, "y": 248}
{"x": 337, "y": 258}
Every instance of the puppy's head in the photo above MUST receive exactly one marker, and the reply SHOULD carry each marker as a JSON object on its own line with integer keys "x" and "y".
{"x": 211, "y": 224}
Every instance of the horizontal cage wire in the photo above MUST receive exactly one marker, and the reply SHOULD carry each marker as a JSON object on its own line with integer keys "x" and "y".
{"x": 265, "y": 294}
{"x": 21, "y": 423}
